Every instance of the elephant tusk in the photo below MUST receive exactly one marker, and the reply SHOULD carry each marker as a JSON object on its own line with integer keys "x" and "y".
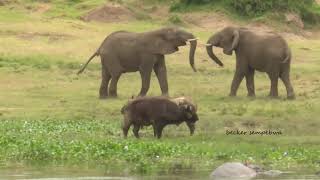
{"x": 209, "y": 45}
{"x": 189, "y": 40}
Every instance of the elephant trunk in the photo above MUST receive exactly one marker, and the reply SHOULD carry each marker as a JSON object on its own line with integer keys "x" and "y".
{"x": 209, "y": 46}
{"x": 193, "y": 46}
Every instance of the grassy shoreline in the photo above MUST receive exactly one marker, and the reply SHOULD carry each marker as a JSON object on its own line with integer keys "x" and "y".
{"x": 84, "y": 141}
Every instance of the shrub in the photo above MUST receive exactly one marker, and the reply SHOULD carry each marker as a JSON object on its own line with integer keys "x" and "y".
{"x": 307, "y": 9}
{"x": 175, "y": 19}
{"x": 258, "y": 7}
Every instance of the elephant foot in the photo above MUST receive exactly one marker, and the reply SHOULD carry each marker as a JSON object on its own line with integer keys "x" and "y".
{"x": 141, "y": 95}
{"x": 251, "y": 95}
{"x": 291, "y": 97}
{"x": 103, "y": 96}
{"x": 232, "y": 95}
{"x": 273, "y": 96}
{"x": 165, "y": 94}
{"x": 113, "y": 95}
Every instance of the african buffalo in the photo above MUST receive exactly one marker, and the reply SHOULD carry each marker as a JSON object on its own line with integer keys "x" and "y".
{"x": 158, "y": 112}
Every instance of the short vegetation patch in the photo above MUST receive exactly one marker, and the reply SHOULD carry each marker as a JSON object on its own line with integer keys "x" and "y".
{"x": 83, "y": 140}
{"x": 109, "y": 13}
{"x": 39, "y": 62}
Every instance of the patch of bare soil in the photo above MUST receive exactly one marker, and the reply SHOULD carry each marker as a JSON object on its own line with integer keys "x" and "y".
{"x": 5, "y": 2}
{"x": 156, "y": 12}
{"x": 42, "y": 8}
{"x": 160, "y": 12}
{"x": 109, "y": 13}
{"x": 217, "y": 21}
{"x": 52, "y": 36}
{"x": 207, "y": 21}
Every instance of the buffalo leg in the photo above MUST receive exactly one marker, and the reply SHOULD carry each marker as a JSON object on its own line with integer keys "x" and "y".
{"x": 136, "y": 130}
{"x": 154, "y": 131}
{"x": 159, "y": 128}
{"x": 125, "y": 129}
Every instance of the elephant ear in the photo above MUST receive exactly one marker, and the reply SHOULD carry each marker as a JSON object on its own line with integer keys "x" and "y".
{"x": 161, "y": 45}
{"x": 234, "y": 44}
{"x": 235, "y": 41}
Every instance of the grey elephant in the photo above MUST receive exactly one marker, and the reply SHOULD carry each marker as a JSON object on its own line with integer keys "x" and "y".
{"x": 267, "y": 52}
{"x": 123, "y": 52}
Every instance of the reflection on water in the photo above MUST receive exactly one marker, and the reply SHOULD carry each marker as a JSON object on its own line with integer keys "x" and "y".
{"x": 56, "y": 173}
{"x": 76, "y": 173}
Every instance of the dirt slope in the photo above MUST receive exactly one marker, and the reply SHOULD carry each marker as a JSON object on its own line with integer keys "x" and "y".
{"x": 109, "y": 13}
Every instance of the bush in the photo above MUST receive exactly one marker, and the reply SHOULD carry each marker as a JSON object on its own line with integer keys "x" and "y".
{"x": 196, "y": 1}
{"x": 307, "y": 9}
{"x": 258, "y": 7}
{"x": 175, "y": 19}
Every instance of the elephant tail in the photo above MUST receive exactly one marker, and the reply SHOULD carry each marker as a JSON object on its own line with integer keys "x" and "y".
{"x": 84, "y": 67}
{"x": 288, "y": 56}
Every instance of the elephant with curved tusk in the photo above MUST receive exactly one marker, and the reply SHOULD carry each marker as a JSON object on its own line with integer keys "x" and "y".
{"x": 262, "y": 52}
{"x": 124, "y": 51}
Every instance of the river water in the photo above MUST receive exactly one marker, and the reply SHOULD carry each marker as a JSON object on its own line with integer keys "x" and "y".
{"x": 75, "y": 173}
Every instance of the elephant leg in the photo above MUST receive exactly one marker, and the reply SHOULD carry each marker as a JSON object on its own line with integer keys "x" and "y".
{"x": 250, "y": 82}
{"x": 274, "y": 84}
{"x": 104, "y": 83}
{"x": 286, "y": 81}
{"x": 135, "y": 130}
{"x": 161, "y": 73}
{"x": 113, "y": 85}
{"x": 145, "y": 77}
{"x": 238, "y": 77}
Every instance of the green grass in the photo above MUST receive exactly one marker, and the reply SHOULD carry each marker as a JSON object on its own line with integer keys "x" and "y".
{"x": 48, "y": 114}
{"x": 7, "y": 15}
{"x": 89, "y": 139}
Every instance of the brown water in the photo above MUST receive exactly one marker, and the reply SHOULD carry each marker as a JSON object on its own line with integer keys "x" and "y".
{"x": 76, "y": 173}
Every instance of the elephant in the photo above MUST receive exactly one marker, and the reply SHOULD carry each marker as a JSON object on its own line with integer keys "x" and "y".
{"x": 264, "y": 52}
{"x": 124, "y": 51}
